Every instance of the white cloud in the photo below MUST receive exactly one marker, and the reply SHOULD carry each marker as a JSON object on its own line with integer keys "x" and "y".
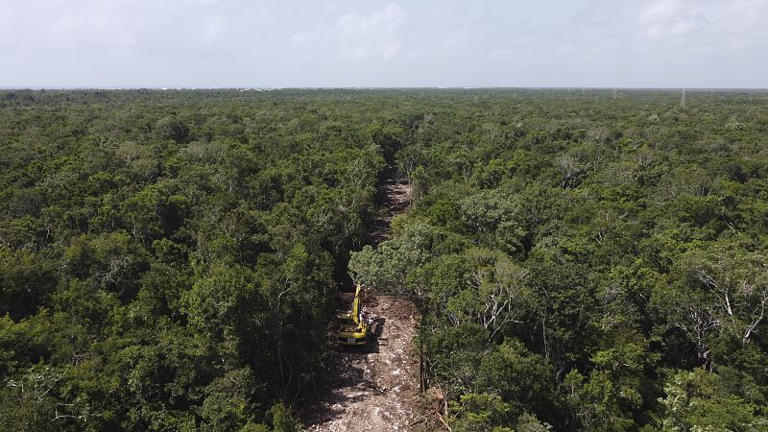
{"x": 393, "y": 42}
{"x": 362, "y": 37}
{"x": 211, "y": 30}
{"x": 6, "y": 35}
{"x": 88, "y": 27}
{"x": 456, "y": 38}
{"x": 359, "y": 37}
{"x": 671, "y": 18}
{"x": 665, "y": 43}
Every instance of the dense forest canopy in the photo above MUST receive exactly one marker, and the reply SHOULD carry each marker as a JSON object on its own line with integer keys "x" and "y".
{"x": 583, "y": 259}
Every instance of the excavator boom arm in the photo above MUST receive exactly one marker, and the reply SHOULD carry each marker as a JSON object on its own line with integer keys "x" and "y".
{"x": 356, "y": 306}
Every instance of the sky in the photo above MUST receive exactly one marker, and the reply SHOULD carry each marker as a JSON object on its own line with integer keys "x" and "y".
{"x": 369, "y": 43}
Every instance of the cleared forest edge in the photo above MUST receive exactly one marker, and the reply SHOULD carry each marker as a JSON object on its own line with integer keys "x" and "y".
{"x": 375, "y": 388}
{"x": 397, "y": 196}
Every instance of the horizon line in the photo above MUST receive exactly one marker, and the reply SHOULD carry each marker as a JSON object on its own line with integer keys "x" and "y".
{"x": 273, "y": 88}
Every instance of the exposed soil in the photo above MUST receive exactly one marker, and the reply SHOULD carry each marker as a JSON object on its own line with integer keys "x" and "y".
{"x": 374, "y": 388}
{"x": 397, "y": 196}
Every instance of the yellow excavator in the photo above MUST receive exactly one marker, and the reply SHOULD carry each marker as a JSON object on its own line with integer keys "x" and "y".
{"x": 353, "y": 325}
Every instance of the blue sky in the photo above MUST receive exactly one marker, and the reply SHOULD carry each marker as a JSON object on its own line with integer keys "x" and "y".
{"x": 329, "y": 43}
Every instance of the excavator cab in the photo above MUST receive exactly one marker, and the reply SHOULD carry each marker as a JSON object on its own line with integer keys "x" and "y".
{"x": 353, "y": 326}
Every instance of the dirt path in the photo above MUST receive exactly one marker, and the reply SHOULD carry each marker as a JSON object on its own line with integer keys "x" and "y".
{"x": 374, "y": 388}
{"x": 397, "y": 196}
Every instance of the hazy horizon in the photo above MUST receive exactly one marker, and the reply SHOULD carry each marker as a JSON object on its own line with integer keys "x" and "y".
{"x": 245, "y": 88}
{"x": 644, "y": 44}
